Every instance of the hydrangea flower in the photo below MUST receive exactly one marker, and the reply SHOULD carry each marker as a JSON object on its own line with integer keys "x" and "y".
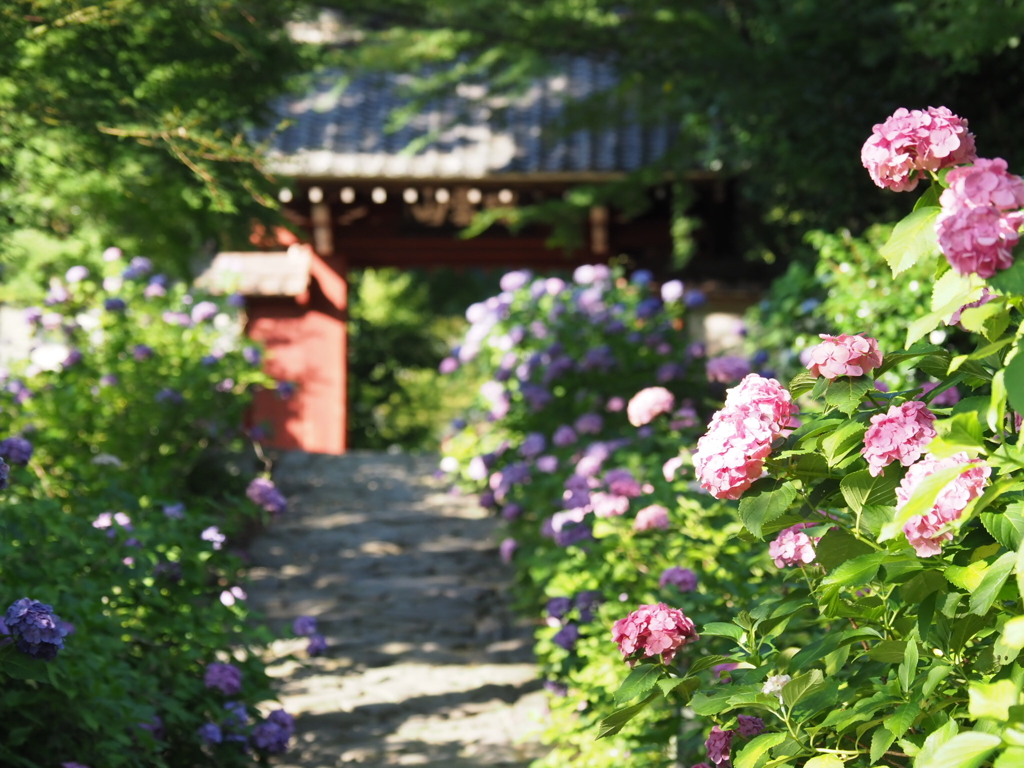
{"x": 214, "y": 536}
{"x": 608, "y": 504}
{"x": 251, "y": 355}
{"x": 564, "y": 435}
{"x": 263, "y": 493}
{"x": 317, "y": 645}
{"x": 174, "y": 511}
{"x": 926, "y": 532}
{"x": 76, "y": 274}
{"x": 567, "y": 637}
{"x": 773, "y": 685}
{"x": 16, "y": 450}
{"x": 547, "y": 464}
{"x": 210, "y": 733}
{"x": 654, "y": 516}
{"x": 730, "y": 456}
{"x": 39, "y": 631}
{"x": 226, "y": 678}
{"x": 589, "y": 424}
{"x": 682, "y": 579}
{"x": 719, "y": 745}
{"x": 203, "y": 311}
{"x": 671, "y": 467}
{"x": 304, "y": 626}
{"x": 980, "y": 219}
{"x": 727, "y": 369}
{"x": 901, "y": 434}
{"x": 910, "y": 142}
{"x": 844, "y": 355}
{"x": 274, "y": 733}
{"x": 138, "y": 267}
{"x": 648, "y": 403}
{"x": 749, "y": 727}
{"x": 115, "y": 304}
{"x": 533, "y": 445}
{"x": 507, "y": 550}
{"x": 622, "y": 483}
{"x": 512, "y": 281}
{"x": 672, "y": 291}
{"x": 169, "y": 396}
{"x": 792, "y": 546}
{"x": 653, "y": 630}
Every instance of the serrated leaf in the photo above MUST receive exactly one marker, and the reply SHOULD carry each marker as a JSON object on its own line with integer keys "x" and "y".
{"x": 912, "y": 239}
{"x": 908, "y": 669}
{"x": 802, "y": 383}
{"x": 845, "y": 393}
{"x": 21, "y": 666}
{"x": 935, "y": 676}
{"x": 616, "y": 720}
{"x": 640, "y": 680}
{"x": 966, "y": 577}
{"x": 861, "y": 489}
{"x": 856, "y": 572}
{"x": 1014, "y": 379}
{"x": 881, "y": 740}
{"x": 1011, "y": 757}
{"x": 1013, "y": 633}
{"x": 923, "y": 499}
{"x": 992, "y": 699}
{"x": 950, "y": 292}
{"x": 996, "y": 575}
{"x": 756, "y": 747}
{"x": 900, "y": 721}
{"x": 888, "y": 651}
{"x": 682, "y": 687}
{"x": 765, "y": 504}
{"x": 1009, "y": 282}
{"x": 705, "y": 662}
{"x": 935, "y": 741}
{"x": 842, "y": 441}
{"x": 799, "y": 688}
{"x": 960, "y": 432}
{"x": 965, "y": 750}
{"x": 836, "y": 547}
{"x": 722, "y": 629}
{"x": 921, "y": 327}
{"x": 824, "y": 761}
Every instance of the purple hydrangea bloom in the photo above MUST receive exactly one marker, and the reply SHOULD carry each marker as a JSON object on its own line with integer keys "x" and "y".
{"x": 567, "y": 636}
{"x": 16, "y": 450}
{"x": 210, "y": 733}
{"x": 40, "y": 632}
{"x": 177, "y": 318}
{"x": 564, "y": 435}
{"x": 154, "y": 290}
{"x": 138, "y": 267}
{"x": 511, "y": 511}
{"x": 573, "y": 534}
{"x": 74, "y": 358}
{"x": 251, "y": 355}
{"x": 175, "y": 511}
{"x": 76, "y": 274}
{"x": 749, "y": 727}
{"x": 210, "y": 359}
{"x": 508, "y": 549}
{"x": 512, "y": 281}
{"x": 142, "y": 352}
{"x": 109, "y": 380}
{"x": 304, "y": 626}
{"x": 33, "y": 315}
{"x": 648, "y": 308}
{"x": 672, "y": 291}
{"x": 448, "y": 365}
{"x": 719, "y": 744}
{"x": 237, "y": 716}
{"x": 273, "y": 733}
{"x": 589, "y": 424}
{"x": 169, "y": 396}
{"x": 203, "y": 311}
{"x": 586, "y": 602}
{"x": 263, "y": 493}
{"x": 641, "y": 277}
{"x": 557, "y": 607}
{"x": 155, "y": 727}
{"x": 532, "y": 446}
{"x": 547, "y": 464}
{"x": 115, "y": 304}
{"x": 285, "y": 390}
{"x": 556, "y": 688}
{"x": 317, "y": 645}
{"x": 226, "y": 678}
{"x": 682, "y": 579}
{"x": 214, "y": 536}
{"x": 695, "y": 299}
{"x": 57, "y": 295}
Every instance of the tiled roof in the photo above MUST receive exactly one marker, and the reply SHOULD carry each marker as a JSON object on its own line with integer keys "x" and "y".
{"x": 281, "y": 273}
{"x": 338, "y": 131}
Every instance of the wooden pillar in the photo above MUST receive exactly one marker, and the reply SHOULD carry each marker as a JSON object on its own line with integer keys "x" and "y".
{"x": 329, "y": 356}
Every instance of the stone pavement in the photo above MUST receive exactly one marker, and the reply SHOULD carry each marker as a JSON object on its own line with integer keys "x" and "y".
{"x": 426, "y": 663}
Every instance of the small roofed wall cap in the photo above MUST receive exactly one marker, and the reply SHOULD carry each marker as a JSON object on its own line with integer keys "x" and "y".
{"x": 258, "y": 273}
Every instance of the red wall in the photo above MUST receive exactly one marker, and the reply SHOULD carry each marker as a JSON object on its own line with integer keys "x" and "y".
{"x": 306, "y": 342}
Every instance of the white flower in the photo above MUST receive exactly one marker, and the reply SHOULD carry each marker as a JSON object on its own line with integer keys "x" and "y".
{"x": 106, "y": 459}
{"x": 449, "y": 464}
{"x": 773, "y": 685}
{"x": 49, "y": 357}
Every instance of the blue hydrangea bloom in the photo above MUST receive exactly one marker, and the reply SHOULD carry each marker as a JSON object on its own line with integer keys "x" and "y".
{"x": 16, "y": 450}
{"x": 273, "y": 733}
{"x": 211, "y": 733}
{"x": 304, "y": 626}
{"x": 5, "y": 474}
{"x": 39, "y": 631}
{"x": 317, "y": 644}
{"x": 567, "y": 636}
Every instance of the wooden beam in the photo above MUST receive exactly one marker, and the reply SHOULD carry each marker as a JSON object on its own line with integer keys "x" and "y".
{"x": 452, "y": 252}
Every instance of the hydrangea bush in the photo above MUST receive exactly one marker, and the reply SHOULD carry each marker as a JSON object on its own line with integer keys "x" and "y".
{"x": 895, "y": 515}
{"x": 125, "y": 638}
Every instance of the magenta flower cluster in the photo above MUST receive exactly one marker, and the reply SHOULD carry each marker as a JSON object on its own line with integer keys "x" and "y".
{"x": 927, "y": 532}
{"x": 654, "y": 630}
{"x": 730, "y": 456}
{"x": 981, "y": 219}
{"x": 912, "y": 142}
{"x": 901, "y": 434}
{"x": 792, "y": 546}
{"x": 844, "y": 355}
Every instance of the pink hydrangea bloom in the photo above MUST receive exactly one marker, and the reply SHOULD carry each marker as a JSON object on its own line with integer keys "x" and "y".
{"x": 671, "y": 467}
{"x": 913, "y": 141}
{"x": 730, "y": 457}
{"x": 844, "y": 355}
{"x": 926, "y": 532}
{"x": 608, "y": 504}
{"x": 765, "y": 396}
{"x": 792, "y": 546}
{"x": 654, "y": 516}
{"x": 648, "y": 403}
{"x": 980, "y": 219}
{"x": 901, "y": 434}
{"x": 653, "y": 630}
{"x": 621, "y": 482}
{"x": 727, "y": 369}
{"x": 986, "y": 297}
{"x": 749, "y": 727}
{"x": 719, "y": 744}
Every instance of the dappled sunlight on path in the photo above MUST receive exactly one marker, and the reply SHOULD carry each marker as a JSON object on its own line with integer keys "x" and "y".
{"x": 426, "y": 664}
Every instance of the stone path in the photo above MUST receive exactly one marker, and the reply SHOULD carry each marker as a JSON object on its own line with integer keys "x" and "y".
{"x": 426, "y": 664}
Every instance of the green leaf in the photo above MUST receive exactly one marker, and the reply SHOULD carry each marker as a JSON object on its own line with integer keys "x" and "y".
{"x": 705, "y": 662}
{"x": 722, "y": 629}
{"x": 641, "y": 680}
{"x": 860, "y": 489}
{"x": 935, "y": 741}
{"x": 771, "y": 499}
{"x": 837, "y": 546}
{"x": 996, "y": 575}
{"x": 921, "y": 327}
{"x": 1006, "y": 527}
{"x": 1014, "y": 373}
{"x": 845, "y": 393}
{"x": 842, "y": 441}
{"x": 682, "y": 687}
{"x": 961, "y": 432}
{"x": 799, "y": 688}
{"x": 1011, "y": 757}
{"x": 826, "y": 645}
{"x": 997, "y": 402}
{"x": 824, "y": 761}
{"x": 888, "y": 651}
{"x": 912, "y": 239}
{"x": 892, "y": 359}
{"x": 853, "y": 573}
{"x": 923, "y": 499}
{"x": 908, "y": 669}
{"x": 1009, "y": 282}
{"x": 21, "y": 666}
{"x": 965, "y": 750}
{"x": 935, "y": 676}
{"x": 992, "y": 699}
{"x": 756, "y": 747}
{"x": 950, "y": 292}
{"x": 616, "y": 720}
{"x": 802, "y": 383}
{"x": 1013, "y": 633}
{"x": 966, "y": 577}
{"x": 900, "y": 721}
{"x": 881, "y": 740}
{"x": 930, "y": 197}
